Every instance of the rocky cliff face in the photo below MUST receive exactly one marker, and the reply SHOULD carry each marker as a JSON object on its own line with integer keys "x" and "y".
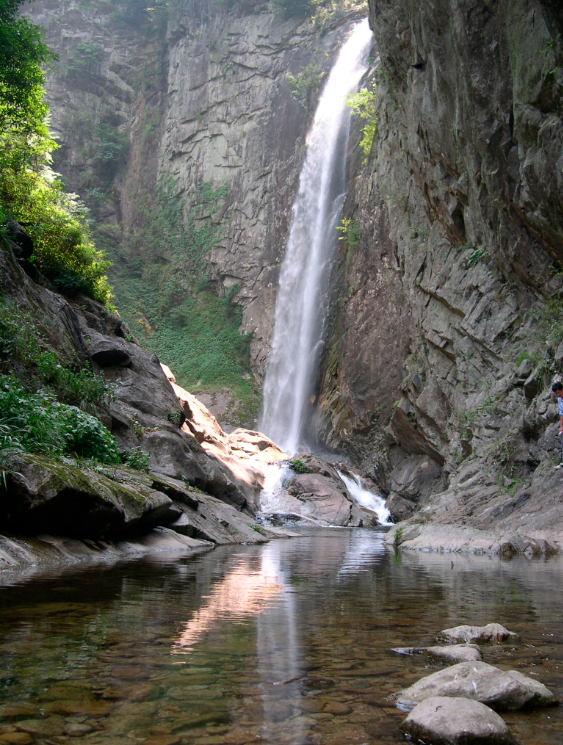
{"x": 201, "y": 99}
{"x": 447, "y": 326}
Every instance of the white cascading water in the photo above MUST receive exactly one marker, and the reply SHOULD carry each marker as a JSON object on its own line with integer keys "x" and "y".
{"x": 367, "y": 499}
{"x": 304, "y": 275}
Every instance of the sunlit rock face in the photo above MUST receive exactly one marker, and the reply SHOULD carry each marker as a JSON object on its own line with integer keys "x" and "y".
{"x": 202, "y": 98}
{"x": 444, "y": 338}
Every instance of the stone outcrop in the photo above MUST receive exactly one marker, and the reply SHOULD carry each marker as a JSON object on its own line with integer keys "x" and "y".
{"x": 446, "y": 326}
{"x": 481, "y": 682}
{"x": 447, "y": 721}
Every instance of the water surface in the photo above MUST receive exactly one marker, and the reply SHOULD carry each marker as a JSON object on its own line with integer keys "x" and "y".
{"x": 284, "y": 643}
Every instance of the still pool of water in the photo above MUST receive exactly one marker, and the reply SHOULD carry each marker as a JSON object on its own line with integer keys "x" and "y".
{"x": 290, "y": 642}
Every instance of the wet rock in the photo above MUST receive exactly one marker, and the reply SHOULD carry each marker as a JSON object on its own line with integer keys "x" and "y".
{"x": 76, "y": 729}
{"x": 452, "y": 721}
{"x": 16, "y": 738}
{"x": 492, "y": 632}
{"x": 480, "y": 682}
{"x": 49, "y": 727}
{"x": 449, "y": 653}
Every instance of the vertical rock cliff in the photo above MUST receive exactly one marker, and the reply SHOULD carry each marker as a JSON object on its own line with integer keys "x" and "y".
{"x": 446, "y": 329}
{"x": 183, "y": 129}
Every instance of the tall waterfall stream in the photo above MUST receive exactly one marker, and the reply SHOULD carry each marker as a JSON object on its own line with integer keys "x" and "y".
{"x": 302, "y": 301}
{"x": 298, "y": 330}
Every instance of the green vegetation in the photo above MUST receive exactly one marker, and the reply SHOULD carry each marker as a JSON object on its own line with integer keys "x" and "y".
{"x": 478, "y": 255}
{"x": 29, "y": 190}
{"x": 84, "y": 59}
{"x": 149, "y": 15}
{"x": 350, "y": 230}
{"x": 398, "y": 535}
{"x": 299, "y": 466}
{"x": 161, "y": 273}
{"x": 305, "y": 86}
{"x": 38, "y": 423}
{"x": 259, "y": 529}
{"x": 362, "y": 104}
{"x": 23, "y": 348}
{"x": 137, "y": 459}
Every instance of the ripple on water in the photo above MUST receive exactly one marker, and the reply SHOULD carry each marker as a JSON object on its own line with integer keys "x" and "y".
{"x": 285, "y": 643}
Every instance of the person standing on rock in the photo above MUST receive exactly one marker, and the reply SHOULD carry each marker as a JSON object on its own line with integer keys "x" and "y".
{"x": 557, "y": 388}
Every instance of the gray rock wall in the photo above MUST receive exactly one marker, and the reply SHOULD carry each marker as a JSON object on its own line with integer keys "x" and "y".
{"x": 447, "y": 317}
{"x": 204, "y": 100}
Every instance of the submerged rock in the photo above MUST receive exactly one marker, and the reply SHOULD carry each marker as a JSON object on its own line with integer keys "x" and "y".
{"x": 492, "y": 632}
{"x": 480, "y": 682}
{"x": 449, "y": 653}
{"x": 452, "y": 721}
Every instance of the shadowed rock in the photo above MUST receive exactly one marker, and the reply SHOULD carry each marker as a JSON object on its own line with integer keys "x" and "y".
{"x": 452, "y": 721}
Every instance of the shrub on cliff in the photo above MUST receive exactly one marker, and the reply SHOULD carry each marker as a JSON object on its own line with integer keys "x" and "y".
{"x": 29, "y": 190}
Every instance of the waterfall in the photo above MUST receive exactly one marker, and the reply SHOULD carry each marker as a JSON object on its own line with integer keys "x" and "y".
{"x": 366, "y": 499}
{"x": 304, "y": 276}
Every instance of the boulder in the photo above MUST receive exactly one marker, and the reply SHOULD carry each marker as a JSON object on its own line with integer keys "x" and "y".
{"x": 478, "y": 681}
{"x": 108, "y": 351}
{"x": 41, "y": 495}
{"x": 448, "y": 653}
{"x": 327, "y": 499}
{"x": 492, "y": 632}
{"x": 452, "y": 721}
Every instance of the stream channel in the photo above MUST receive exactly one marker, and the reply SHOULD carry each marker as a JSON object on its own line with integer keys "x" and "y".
{"x": 288, "y": 642}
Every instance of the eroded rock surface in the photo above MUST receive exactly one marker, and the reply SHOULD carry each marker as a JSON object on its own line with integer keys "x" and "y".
{"x": 480, "y": 682}
{"x": 446, "y": 721}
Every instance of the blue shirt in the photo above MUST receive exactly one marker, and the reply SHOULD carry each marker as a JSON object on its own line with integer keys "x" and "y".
{"x": 560, "y": 400}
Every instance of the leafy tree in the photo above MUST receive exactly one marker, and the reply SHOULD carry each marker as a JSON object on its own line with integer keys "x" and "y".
{"x": 22, "y": 53}
{"x": 362, "y": 104}
{"x": 29, "y": 190}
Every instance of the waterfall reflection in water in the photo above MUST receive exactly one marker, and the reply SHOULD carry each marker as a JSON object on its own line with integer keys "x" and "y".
{"x": 287, "y": 643}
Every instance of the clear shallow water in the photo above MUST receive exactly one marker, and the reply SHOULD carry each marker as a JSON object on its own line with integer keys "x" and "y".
{"x": 285, "y": 643}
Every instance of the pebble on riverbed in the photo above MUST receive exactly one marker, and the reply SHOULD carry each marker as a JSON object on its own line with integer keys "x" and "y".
{"x": 449, "y": 653}
{"x": 480, "y": 682}
{"x": 442, "y": 720}
{"x": 492, "y": 632}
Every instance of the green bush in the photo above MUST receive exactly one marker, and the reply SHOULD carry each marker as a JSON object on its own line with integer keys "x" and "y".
{"x": 22, "y": 345}
{"x": 29, "y": 190}
{"x": 362, "y": 104}
{"x": 299, "y": 466}
{"x": 137, "y": 459}
{"x": 38, "y": 423}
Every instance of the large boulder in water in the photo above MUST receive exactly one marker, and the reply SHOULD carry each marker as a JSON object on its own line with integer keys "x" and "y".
{"x": 492, "y": 632}
{"x": 453, "y": 721}
{"x": 327, "y": 499}
{"x": 480, "y": 682}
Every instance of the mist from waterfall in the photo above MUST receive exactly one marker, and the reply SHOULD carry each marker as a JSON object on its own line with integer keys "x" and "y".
{"x": 304, "y": 276}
